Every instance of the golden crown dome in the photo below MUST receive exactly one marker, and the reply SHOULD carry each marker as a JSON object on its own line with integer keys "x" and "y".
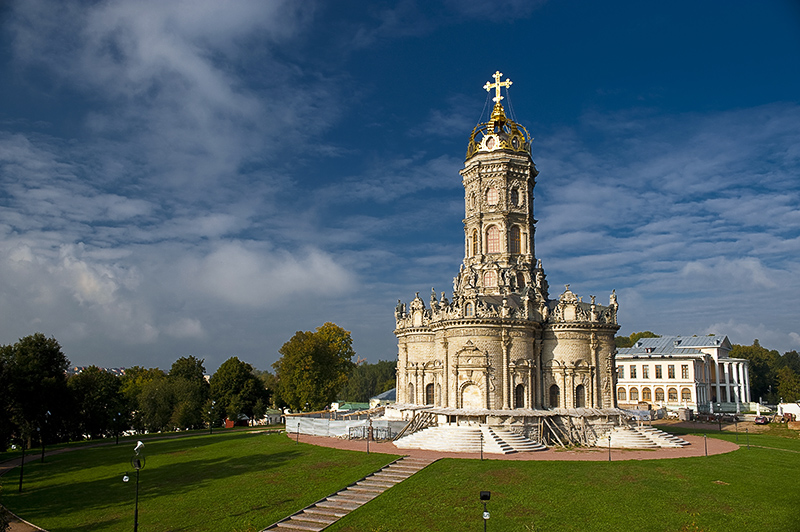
{"x": 500, "y": 132}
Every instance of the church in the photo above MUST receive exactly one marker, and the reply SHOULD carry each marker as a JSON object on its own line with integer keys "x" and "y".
{"x": 501, "y": 344}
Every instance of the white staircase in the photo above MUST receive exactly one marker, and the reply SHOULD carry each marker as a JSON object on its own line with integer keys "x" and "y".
{"x": 467, "y": 439}
{"x": 639, "y": 438}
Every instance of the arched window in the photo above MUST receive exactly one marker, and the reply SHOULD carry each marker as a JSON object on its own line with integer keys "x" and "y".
{"x": 555, "y": 396}
{"x": 520, "y": 282}
{"x": 474, "y": 242}
{"x": 515, "y": 240}
{"x": 411, "y": 398}
{"x": 580, "y": 396}
{"x": 469, "y": 310}
{"x": 660, "y": 394}
{"x": 672, "y": 395}
{"x": 490, "y": 279}
{"x": 492, "y": 239}
{"x": 646, "y": 395}
{"x": 621, "y": 395}
{"x": 519, "y": 396}
{"x": 634, "y": 394}
{"x": 429, "y": 394}
{"x": 686, "y": 395}
{"x": 514, "y": 197}
{"x": 491, "y": 196}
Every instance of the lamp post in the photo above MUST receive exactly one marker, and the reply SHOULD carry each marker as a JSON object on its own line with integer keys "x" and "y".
{"x": 137, "y": 462}
{"x": 42, "y": 432}
{"x": 485, "y": 496}
{"x": 211, "y": 417}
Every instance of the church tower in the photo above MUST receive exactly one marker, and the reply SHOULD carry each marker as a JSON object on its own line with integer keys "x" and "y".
{"x": 501, "y": 344}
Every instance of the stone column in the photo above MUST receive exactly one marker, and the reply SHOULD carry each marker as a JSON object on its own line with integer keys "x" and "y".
{"x": 506, "y": 340}
{"x": 446, "y": 374}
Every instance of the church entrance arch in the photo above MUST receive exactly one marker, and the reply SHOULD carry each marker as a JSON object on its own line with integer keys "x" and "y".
{"x": 519, "y": 396}
{"x": 429, "y": 394}
{"x": 471, "y": 397}
{"x": 555, "y": 396}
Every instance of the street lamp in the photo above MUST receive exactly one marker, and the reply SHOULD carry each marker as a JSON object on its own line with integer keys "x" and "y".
{"x": 137, "y": 462}
{"x": 485, "y": 496}
{"x": 211, "y": 418}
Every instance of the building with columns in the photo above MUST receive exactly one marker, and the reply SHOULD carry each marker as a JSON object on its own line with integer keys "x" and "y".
{"x": 683, "y": 371}
{"x": 501, "y": 343}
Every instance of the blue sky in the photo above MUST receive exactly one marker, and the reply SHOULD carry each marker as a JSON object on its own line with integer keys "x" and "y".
{"x": 209, "y": 177}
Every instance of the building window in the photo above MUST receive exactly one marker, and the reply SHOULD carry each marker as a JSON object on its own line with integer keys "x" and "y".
{"x": 620, "y": 372}
{"x": 411, "y": 398}
{"x": 491, "y": 196}
{"x": 646, "y": 394}
{"x": 672, "y": 395}
{"x": 686, "y": 395}
{"x": 515, "y": 240}
{"x": 723, "y": 394}
{"x": 519, "y": 396}
{"x": 493, "y": 239}
{"x": 490, "y": 279}
{"x": 659, "y": 375}
{"x": 634, "y": 394}
{"x": 684, "y": 371}
{"x": 645, "y": 372}
{"x": 474, "y": 242}
{"x": 671, "y": 371}
{"x": 555, "y": 396}
{"x": 580, "y": 396}
{"x": 660, "y": 394}
{"x": 469, "y": 310}
{"x": 514, "y": 197}
{"x": 621, "y": 394}
{"x": 633, "y": 372}
{"x": 429, "y": 394}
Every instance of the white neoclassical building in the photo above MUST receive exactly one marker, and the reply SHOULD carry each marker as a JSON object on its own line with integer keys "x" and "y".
{"x": 682, "y": 371}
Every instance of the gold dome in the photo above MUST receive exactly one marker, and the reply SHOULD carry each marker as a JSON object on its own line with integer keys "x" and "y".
{"x": 499, "y": 133}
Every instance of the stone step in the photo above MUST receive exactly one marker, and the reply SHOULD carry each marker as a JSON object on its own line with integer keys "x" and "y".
{"x": 294, "y": 526}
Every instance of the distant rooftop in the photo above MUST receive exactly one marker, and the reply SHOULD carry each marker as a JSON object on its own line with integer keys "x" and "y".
{"x": 675, "y": 345}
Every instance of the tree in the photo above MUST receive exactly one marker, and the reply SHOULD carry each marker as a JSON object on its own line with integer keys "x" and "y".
{"x": 368, "y": 380}
{"x": 314, "y": 367}
{"x": 132, "y": 384}
{"x": 788, "y": 385}
{"x": 630, "y": 341}
{"x": 97, "y": 401}
{"x": 763, "y": 368}
{"x": 191, "y": 391}
{"x": 236, "y": 389}
{"x": 34, "y": 383}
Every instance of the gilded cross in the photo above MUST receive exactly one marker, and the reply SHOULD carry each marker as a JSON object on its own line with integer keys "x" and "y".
{"x": 497, "y": 85}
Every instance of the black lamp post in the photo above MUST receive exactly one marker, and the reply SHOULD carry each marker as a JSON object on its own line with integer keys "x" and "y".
{"x": 137, "y": 462}
{"x": 211, "y": 418}
{"x": 42, "y": 432}
{"x": 485, "y": 496}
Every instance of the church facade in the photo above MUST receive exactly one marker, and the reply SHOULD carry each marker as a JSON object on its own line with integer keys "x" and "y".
{"x": 501, "y": 343}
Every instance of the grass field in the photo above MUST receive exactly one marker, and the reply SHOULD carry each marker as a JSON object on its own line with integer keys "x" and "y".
{"x": 747, "y": 490}
{"x": 241, "y": 481}
{"x": 231, "y": 481}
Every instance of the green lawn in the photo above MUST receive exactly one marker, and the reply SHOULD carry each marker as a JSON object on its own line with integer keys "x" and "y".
{"x": 245, "y": 481}
{"x": 230, "y": 481}
{"x": 747, "y": 490}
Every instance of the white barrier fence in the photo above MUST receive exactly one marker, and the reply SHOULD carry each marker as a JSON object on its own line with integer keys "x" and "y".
{"x": 356, "y": 428}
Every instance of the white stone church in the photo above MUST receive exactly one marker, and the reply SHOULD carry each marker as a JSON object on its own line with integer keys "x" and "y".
{"x": 502, "y": 344}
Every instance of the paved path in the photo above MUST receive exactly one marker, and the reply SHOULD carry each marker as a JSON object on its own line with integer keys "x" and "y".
{"x": 697, "y": 448}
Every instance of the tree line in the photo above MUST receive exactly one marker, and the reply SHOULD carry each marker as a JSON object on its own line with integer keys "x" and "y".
{"x": 41, "y": 403}
{"x": 773, "y": 377}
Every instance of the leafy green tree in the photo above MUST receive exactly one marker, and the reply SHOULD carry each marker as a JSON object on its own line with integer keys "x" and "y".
{"x": 630, "y": 341}
{"x": 313, "y": 367}
{"x": 791, "y": 360}
{"x": 763, "y": 369}
{"x": 97, "y": 401}
{"x": 368, "y": 380}
{"x": 35, "y": 384}
{"x": 788, "y": 385}
{"x": 270, "y": 383}
{"x": 157, "y": 404}
{"x": 191, "y": 391}
{"x": 132, "y": 384}
{"x": 236, "y": 389}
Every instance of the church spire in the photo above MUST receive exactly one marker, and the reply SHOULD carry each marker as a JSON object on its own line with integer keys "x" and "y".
{"x": 499, "y": 133}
